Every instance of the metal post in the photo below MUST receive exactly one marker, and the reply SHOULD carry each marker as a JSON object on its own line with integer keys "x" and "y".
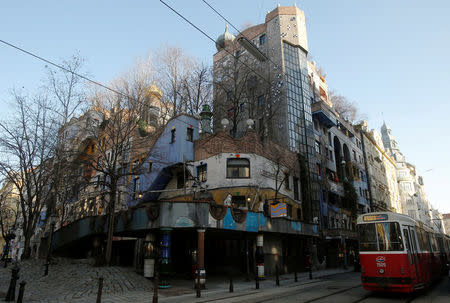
{"x": 295, "y": 276}
{"x": 256, "y": 278}
{"x": 156, "y": 276}
{"x": 49, "y": 252}
{"x": 197, "y": 285}
{"x": 310, "y": 272}
{"x": 231, "y": 284}
{"x": 21, "y": 291}
{"x": 277, "y": 276}
{"x": 11, "y": 294}
{"x": 100, "y": 289}
{"x": 46, "y": 268}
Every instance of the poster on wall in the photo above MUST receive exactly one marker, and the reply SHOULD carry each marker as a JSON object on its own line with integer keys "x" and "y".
{"x": 278, "y": 210}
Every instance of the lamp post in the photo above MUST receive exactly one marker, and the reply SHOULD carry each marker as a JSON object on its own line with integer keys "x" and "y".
{"x": 53, "y": 220}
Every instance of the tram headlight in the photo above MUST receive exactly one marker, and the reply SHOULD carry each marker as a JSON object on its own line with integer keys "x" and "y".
{"x": 381, "y": 271}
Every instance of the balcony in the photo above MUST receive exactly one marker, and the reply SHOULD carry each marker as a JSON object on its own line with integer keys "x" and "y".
{"x": 323, "y": 113}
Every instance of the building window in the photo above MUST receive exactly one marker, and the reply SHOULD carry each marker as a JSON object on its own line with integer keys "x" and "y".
{"x": 242, "y": 107}
{"x": 190, "y": 134}
{"x": 172, "y": 137}
{"x": 296, "y": 196}
{"x": 238, "y": 168}
{"x": 229, "y": 95}
{"x": 289, "y": 210}
{"x": 181, "y": 180}
{"x": 136, "y": 187}
{"x": 230, "y": 113}
{"x": 287, "y": 184}
{"x": 317, "y": 147}
{"x": 260, "y": 101}
{"x": 262, "y": 39}
{"x": 238, "y": 201}
{"x": 201, "y": 172}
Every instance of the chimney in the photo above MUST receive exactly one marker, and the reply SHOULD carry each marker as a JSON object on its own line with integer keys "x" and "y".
{"x": 205, "y": 116}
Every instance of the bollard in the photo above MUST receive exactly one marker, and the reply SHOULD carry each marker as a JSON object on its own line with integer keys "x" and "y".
{"x": 155, "y": 286}
{"x": 21, "y": 291}
{"x": 295, "y": 276}
{"x": 310, "y": 273}
{"x": 11, "y": 294}
{"x": 46, "y": 268}
{"x": 277, "y": 276}
{"x": 197, "y": 285}
{"x": 100, "y": 290}
{"x": 231, "y": 284}
{"x": 257, "y": 278}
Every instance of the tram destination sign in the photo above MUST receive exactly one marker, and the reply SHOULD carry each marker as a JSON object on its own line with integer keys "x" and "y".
{"x": 369, "y": 218}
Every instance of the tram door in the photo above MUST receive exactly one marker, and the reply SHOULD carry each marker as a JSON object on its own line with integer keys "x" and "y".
{"x": 412, "y": 263}
{"x": 411, "y": 247}
{"x": 415, "y": 253}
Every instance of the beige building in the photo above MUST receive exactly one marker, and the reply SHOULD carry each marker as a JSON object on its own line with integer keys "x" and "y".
{"x": 446, "y": 223}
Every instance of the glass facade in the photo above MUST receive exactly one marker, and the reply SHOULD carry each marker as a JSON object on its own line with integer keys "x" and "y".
{"x": 300, "y": 122}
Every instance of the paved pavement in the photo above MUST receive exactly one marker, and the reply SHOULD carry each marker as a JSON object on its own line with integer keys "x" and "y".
{"x": 77, "y": 281}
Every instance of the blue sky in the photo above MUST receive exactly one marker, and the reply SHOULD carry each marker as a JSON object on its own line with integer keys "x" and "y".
{"x": 390, "y": 57}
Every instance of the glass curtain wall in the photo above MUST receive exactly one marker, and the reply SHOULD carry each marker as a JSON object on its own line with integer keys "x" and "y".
{"x": 300, "y": 125}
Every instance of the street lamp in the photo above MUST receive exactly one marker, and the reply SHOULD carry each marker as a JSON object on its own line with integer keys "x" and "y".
{"x": 53, "y": 220}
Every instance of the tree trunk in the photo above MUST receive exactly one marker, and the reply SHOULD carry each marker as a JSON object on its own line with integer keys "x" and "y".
{"x": 26, "y": 254}
{"x": 112, "y": 206}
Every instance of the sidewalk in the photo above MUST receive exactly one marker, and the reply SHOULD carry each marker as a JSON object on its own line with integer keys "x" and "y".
{"x": 77, "y": 281}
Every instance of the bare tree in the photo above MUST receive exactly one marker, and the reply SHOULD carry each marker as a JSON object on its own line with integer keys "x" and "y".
{"x": 345, "y": 108}
{"x": 197, "y": 89}
{"x": 8, "y": 210}
{"x": 121, "y": 141}
{"x": 242, "y": 92}
{"x": 173, "y": 67}
{"x": 26, "y": 143}
{"x": 67, "y": 99}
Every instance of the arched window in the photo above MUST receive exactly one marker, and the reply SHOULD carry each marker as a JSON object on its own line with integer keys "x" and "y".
{"x": 238, "y": 168}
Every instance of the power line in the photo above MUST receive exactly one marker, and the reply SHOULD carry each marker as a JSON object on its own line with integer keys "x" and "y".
{"x": 209, "y": 37}
{"x": 228, "y": 21}
{"x": 71, "y": 72}
{"x": 62, "y": 67}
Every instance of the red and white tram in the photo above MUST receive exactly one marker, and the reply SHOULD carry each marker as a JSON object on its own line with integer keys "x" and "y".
{"x": 398, "y": 253}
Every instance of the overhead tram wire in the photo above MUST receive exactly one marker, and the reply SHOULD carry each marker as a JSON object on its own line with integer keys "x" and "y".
{"x": 72, "y": 72}
{"x": 63, "y": 68}
{"x": 228, "y": 21}
{"x": 214, "y": 41}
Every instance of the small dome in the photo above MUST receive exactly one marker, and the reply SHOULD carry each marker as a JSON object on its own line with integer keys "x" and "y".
{"x": 154, "y": 90}
{"x": 224, "y": 39}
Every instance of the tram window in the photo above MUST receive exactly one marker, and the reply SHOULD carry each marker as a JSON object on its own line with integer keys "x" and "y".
{"x": 420, "y": 236}
{"x": 426, "y": 241}
{"x": 380, "y": 237}
{"x": 433, "y": 242}
{"x": 389, "y": 236}
{"x": 408, "y": 245}
{"x": 367, "y": 237}
{"x": 413, "y": 240}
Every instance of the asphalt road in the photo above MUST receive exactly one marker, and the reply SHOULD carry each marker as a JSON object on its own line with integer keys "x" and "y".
{"x": 342, "y": 288}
